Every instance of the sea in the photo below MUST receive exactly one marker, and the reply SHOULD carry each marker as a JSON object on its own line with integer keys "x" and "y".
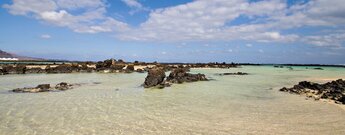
{"x": 116, "y": 103}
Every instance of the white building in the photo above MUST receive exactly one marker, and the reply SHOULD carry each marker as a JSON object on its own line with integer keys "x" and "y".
{"x": 12, "y": 59}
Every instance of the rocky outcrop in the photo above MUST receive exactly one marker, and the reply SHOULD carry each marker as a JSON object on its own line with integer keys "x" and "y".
{"x": 154, "y": 78}
{"x": 334, "y": 90}
{"x": 44, "y": 88}
{"x": 238, "y": 73}
{"x": 180, "y": 75}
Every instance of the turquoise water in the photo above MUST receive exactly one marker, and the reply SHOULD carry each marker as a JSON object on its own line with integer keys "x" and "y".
{"x": 248, "y": 104}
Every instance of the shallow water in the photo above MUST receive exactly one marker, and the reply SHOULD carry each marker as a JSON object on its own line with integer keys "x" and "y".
{"x": 248, "y": 104}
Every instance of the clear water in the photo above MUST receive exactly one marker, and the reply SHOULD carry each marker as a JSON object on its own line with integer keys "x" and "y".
{"x": 226, "y": 105}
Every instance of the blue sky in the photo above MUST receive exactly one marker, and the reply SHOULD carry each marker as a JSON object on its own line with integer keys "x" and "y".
{"x": 255, "y": 31}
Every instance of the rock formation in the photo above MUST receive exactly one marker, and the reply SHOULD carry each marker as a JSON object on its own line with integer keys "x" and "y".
{"x": 154, "y": 77}
{"x": 180, "y": 75}
{"x": 334, "y": 90}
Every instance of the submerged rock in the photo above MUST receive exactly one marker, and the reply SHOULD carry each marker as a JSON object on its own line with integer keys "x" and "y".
{"x": 334, "y": 90}
{"x": 238, "y": 73}
{"x": 39, "y": 88}
{"x": 180, "y": 75}
{"x": 44, "y": 88}
{"x": 154, "y": 77}
{"x": 63, "y": 86}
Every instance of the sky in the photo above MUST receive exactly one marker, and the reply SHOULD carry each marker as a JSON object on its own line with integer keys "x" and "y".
{"x": 245, "y": 31}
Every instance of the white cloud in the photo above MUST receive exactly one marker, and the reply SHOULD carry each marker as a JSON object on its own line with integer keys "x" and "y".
{"x": 261, "y": 51}
{"x": 331, "y": 40}
{"x": 53, "y": 16}
{"x": 45, "y": 36}
{"x": 199, "y": 20}
{"x": 135, "y": 5}
{"x": 206, "y": 20}
{"x": 61, "y": 13}
{"x": 132, "y": 3}
{"x": 249, "y": 45}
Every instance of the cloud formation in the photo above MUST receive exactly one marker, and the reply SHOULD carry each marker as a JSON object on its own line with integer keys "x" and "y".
{"x": 199, "y": 20}
{"x": 46, "y": 36}
{"x": 91, "y": 17}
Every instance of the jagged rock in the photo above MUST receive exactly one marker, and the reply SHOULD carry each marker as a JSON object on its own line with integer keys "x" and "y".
{"x": 63, "y": 86}
{"x": 154, "y": 77}
{"x": 334, "y": 90}
{"x": 180, "y": 75}
{"x": 238, "y": 73}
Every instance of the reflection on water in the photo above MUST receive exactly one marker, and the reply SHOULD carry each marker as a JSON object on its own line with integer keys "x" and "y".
{"x": 116, "y": 104}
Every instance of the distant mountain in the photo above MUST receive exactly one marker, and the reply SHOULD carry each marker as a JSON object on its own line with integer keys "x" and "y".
{"x": 4, "y": 54}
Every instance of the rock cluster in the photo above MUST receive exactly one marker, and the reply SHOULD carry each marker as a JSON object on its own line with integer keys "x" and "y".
{"x": 334, "y": 90}
{"x": 44, "y": 88}
{"x": 113, "y": 66}
{"x": 156, "y": 77}
{"x": 180, "y": 75}
{"x": 63, "y": 68}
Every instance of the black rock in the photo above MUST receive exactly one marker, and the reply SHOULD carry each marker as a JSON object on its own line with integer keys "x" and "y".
{"x": 180, "y": 75}
{"x": 334, "y": 90}
{"x": 154, "y": 77}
